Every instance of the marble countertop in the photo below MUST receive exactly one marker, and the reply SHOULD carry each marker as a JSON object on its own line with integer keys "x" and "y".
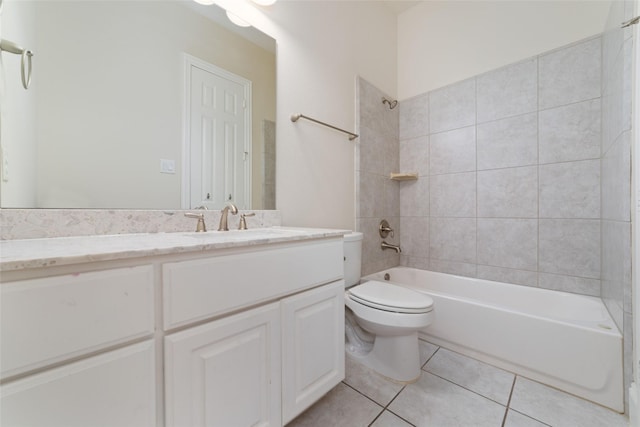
{"x": 36, "y": 253}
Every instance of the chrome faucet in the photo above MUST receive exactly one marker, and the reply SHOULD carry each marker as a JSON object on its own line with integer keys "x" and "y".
{"x": 224, "y": 226}
{"x": 386, "y": 245}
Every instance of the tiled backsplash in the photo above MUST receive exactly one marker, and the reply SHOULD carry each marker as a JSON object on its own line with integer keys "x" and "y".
{"x": 41, "y": 223}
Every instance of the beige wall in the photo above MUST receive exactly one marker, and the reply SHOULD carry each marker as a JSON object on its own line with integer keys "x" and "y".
{"x": 322, "y": 47}
{"x": 17, "y": 136}
{"x": 442, "y": 42}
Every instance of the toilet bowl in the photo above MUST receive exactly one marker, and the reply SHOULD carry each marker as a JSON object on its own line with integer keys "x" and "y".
{"x": 391, "y": 314}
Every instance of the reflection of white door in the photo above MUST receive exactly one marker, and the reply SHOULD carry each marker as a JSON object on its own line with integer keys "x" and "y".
{"x": 218, "y": 137}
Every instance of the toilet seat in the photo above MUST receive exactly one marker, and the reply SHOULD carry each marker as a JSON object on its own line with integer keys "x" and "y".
{"x": 392, "y": 298}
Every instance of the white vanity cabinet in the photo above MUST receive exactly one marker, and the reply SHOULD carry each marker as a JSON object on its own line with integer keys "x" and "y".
{"x": 222, "y": 334}
{"x": 259, "y": 366}
{"x": 66, "y": 360}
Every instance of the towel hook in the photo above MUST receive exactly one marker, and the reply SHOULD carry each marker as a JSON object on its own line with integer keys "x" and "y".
{"x": 26, "y": 65}
{"x": 26, "y": 79}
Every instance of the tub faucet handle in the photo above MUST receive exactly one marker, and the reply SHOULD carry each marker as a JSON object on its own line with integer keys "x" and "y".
{"x": 385, "y": 229}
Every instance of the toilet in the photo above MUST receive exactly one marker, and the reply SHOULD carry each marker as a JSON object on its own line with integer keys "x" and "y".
{"x": 390, "y": 316}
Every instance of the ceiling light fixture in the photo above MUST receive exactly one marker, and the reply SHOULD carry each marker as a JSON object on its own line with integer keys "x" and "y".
{"x": 236, "y": 20}
{"x": 205, "y": 2}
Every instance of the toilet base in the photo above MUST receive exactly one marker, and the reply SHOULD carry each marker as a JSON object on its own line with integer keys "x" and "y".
{"x": 395, "y": 357}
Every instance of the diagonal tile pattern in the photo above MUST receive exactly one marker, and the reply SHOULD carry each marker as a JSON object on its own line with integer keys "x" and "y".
{"x": 453, "y": 391}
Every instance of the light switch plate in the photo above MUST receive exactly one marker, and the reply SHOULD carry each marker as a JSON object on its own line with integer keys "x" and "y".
{"x": 167, "y": 166}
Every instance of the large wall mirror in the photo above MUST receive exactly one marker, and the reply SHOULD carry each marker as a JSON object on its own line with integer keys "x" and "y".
{"x": 124, "y": 99}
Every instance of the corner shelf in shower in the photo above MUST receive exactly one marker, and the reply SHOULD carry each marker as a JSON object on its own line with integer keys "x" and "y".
{"x": 411, "y": 176}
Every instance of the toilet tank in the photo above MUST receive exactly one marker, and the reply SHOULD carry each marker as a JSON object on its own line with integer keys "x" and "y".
{"x": 352, "y": 258}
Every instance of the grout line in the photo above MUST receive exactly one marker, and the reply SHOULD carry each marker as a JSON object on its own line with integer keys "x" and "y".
{"x": 377, "y": 416}
{"x": 362, "y": 394}
{"x": 403, "y": 419}
{"x": 538, "y": 183}
{"x": 513, "y": 386}
{"x": 430, "y": 357}
{"x": 386, "y": 408}
{"x": 468, "y": 389}
{"x": 475, "y": 81}
{"x": 531, "y": 418}
{"x": 394, "y": 397}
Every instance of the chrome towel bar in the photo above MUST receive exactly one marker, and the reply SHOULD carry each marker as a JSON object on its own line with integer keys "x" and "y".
{"x": 296, "y": 117}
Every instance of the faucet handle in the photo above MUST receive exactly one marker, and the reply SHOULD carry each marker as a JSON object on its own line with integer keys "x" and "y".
{"x": 385, "y": 229}
{"x": 243, "y": 221}
{"x": 201, "y": 227}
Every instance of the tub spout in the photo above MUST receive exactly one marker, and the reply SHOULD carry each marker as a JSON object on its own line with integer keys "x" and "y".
{"x": 386, "y": 245}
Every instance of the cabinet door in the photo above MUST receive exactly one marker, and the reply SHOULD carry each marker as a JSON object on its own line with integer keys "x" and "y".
{"x": 312, "y": 346}
{"x": 227, "y": 372}
{"x": 112, "y": 389}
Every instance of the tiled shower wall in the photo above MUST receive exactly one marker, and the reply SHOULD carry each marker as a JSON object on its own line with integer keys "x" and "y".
{"x": 524, "y": 174}
{"x": 377, "y": 197}
{"x": 616, "y": 174}
{"x": 509, "y": 167}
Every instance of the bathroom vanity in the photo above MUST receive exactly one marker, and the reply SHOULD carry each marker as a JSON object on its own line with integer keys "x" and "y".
{"x": 178, "y": 329}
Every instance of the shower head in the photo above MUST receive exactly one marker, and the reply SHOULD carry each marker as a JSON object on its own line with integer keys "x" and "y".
{"x": 391, "y": 102}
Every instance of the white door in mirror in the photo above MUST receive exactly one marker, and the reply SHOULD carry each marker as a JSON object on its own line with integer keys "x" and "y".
{"x": 220, "y": 136}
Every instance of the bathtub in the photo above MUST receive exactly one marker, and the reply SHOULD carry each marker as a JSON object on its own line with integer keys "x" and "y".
{"x": 564, "y": 340}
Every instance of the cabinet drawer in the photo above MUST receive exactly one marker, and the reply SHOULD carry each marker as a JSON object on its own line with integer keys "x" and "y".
{"x": 48, "y": 320}
{"x": 198, "y": 289}
{"x": 113, "y": 389}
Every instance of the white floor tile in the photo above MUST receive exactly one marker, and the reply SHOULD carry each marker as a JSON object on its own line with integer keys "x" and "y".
{"x": 341, "y": 407}
{"x": 487, "y": 380}
{"x": 426, "y": 351}
{"x": 556, "y": 408}
{"x": 370, "y": 383}
{"x": 516, "y": 419}
{"x": 453, "y": 397}
{"x": 387, "y": 419}
{"x": 432, "y": 401}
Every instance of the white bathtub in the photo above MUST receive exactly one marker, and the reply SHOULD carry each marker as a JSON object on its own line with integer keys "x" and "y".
{"x": 564, "y": 340}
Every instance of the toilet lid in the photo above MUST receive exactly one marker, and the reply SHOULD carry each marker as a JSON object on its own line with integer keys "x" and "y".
{"x": 386, "y": 296}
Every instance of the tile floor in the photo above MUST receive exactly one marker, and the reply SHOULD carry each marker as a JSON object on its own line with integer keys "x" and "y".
{"x": 453, "y": 391}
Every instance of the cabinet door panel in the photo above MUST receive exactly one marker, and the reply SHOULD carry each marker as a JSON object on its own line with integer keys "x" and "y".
{"x": 313, "y": 346}
{"x": 113, "y": 389}
{"x": 227, "y": 372}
